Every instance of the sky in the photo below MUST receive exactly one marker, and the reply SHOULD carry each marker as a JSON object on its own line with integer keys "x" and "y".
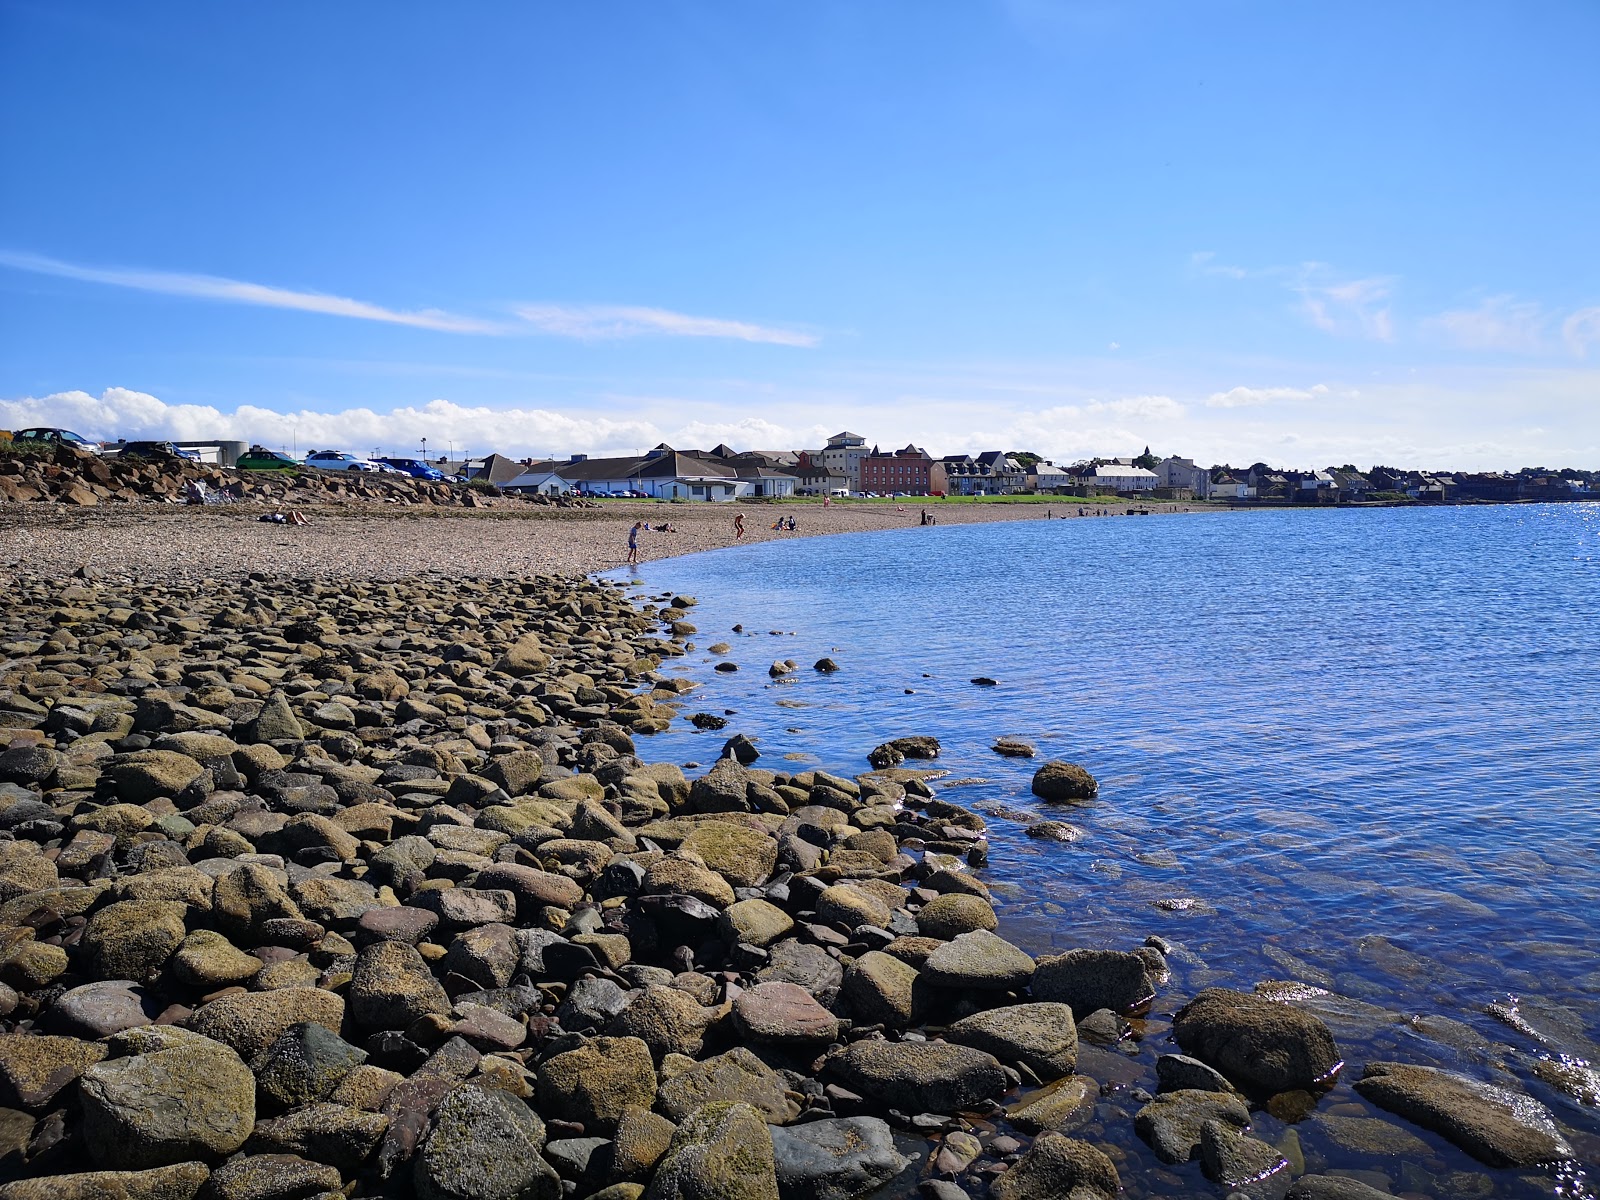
{"x": 1306, "y": 234}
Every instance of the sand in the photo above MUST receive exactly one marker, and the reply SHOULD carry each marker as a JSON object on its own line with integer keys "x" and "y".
{"x": 376, "y": 542}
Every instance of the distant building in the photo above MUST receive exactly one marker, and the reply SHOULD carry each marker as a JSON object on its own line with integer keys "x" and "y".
{"x": 843, "y": 456}
{"x": 992, "y": 473}
{"x": 911, "y": 471}
{"x": 1175, "y": 472}
{"x": 1115, "y": 478}
{"x": 538, "y": 483}
{"x": 812, "y": 478}
{"x": 1047, "y": 477}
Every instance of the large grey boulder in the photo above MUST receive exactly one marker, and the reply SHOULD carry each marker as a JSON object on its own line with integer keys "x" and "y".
{"x": 1172, "y": 1122}
{"x": 484, "y": 1145}
{"x": 979, "y": 960}
{"x": 1057, "y": 1167}
{"x": 919, "y": 1076}
{"x": 835, "y": 1159}
{"x": 171, "y": 1096}
{"x": 1059, "y": 781}
{"x": 1041, "y": 1036}
{"x": 1089, "y": 980}
{"x": 1494, "y": 1124}
{"x": 1241, "y": 1165}
{"x": 1259, "y": 1044}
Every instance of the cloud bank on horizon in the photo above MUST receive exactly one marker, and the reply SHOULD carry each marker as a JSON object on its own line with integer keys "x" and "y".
{"x": 1320, "y": 435}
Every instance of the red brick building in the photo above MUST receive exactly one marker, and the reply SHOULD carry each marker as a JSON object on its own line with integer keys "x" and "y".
{"x": 911, "y": 470}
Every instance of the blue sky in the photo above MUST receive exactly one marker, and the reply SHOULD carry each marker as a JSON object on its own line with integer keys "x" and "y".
{"x": 1309, "y": 234}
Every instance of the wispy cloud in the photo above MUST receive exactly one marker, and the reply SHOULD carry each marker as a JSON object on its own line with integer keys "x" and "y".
{"x": 1498, "y": 323}
{"x": 1205, "y": 262}
{"x": 236, "y": 291}
{"x": 585, "y": 322}
{"x": 608, "y": 321}
{"x": 1160, "y": 408}
{"x": 1345, "y": 307}
{"x": 1582, "y": 330}
{"x": 1244, "y": 397}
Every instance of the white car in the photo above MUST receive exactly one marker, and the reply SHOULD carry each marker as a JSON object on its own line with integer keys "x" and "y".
{"x": 338, "y": 460}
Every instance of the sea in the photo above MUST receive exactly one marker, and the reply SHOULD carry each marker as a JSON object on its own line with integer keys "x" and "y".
{"x": 1356, "y": 751}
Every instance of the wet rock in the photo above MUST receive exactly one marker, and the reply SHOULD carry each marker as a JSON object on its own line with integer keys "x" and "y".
{"x": 1179, "y": 1072}
{"x": 1241, "y": 1164}
{"x": 1059, "y": 781}
{"x": 979, "y": 960}
{"x": 1042, "y": 1036}
{"x": 1259, "y": 1044}
{"x": 723, "y": 1150}
{"x": 1087, "y": 980}
{"x": 735, "y": 1076}
{"x": 1494, "y": 1124}
{"x": 953, "y": 914}
{"x": 1171, "y": 1123}
{"x": 1057, "y": 1166}
{"x": 834, "y": 1159}
{"x": 169, "y": 1096}
{"x": 880, "y": 989}
{"x": 484, "y": 1145}
{"x": 596, "y": 1082}
{"x": 918, "y": 1076}
{"x": 1333, "y": 1187}
{"x": 1062, "y": 1106}
{"x": 1011, "y": 747}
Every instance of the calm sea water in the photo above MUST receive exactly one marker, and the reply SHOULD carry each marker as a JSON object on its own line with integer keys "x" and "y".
{"x": 1358, "y": 750}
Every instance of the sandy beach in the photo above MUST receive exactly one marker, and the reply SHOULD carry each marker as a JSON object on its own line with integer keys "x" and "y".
{"x": 372, "y": 542}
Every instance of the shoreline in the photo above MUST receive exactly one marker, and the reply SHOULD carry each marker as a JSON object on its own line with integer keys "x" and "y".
{"x": 376, "y": 542}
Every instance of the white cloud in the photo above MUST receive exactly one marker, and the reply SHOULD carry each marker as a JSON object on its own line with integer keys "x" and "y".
{"x": 1244, "y": 397}
{"x": 1498, "y": 323}
{"x": 1345, "y": 308}
{"x": 1113, "y": 345}
{"x": 606, "y": 321}
{"x": 1582, "y": 330}
{"x": 589, "y": 322}
{"x": 234, "y": 291}
{"x": 1160, "y": 408}
{"x": 1205, "y": 262}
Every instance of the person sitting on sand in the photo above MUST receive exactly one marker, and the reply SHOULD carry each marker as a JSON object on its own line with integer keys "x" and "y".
{"x": 791, "y": 524}
{"x": 778, "y": 524}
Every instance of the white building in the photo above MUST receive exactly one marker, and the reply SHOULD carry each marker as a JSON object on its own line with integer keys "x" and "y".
{"x": 1046, "y": 477}
{"x": 539, "y": 483}
{"x": 1114, "y": 477}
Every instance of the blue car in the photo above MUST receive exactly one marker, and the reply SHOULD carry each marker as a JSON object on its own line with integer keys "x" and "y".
{"x": 413, "y": 467}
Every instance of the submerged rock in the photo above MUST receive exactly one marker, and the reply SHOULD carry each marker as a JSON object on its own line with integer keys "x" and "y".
{"x": 1259, "y": 1044}
{"x": 1494, "y": 1124}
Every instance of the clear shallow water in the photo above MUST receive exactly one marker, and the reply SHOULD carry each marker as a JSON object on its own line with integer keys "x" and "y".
{"x": 1362, "y": 748}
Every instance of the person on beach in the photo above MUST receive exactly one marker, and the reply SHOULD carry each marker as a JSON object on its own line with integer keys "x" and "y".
{"x": 633, "y": 542}
{"x": 791, "y": 524}
{"x": 924, "y": 517}
{"x": 738, "y": 526}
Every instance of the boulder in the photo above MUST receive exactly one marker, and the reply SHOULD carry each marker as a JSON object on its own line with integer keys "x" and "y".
{"x": 953, "y": 914}
{"x": 723, "y": 1151}
{"x": 1059, "y": 781}
{"x": 794, "y": 961}
{"x": 391, "y": 986}
{"x": 1241, "y": 1165}
{"x": 1259, "y": 1044}
{"x": 271, "y": 1177}
{"x": 170, "y": 1096}
{"x": 34, "y": 1067}
{"x": 1041, "y": 1036}
{"x": 735, "y": 1076}
{"x": 1494, "y": 1124}
{"x": 208, "y": 961}
{"x": 666, "y": 1019}
{"x": 1171, "y": 1123}
{"x": 981, "y": 961}
{"x": 1087, "y": 980}
{"x": 181, "y": 1181}
{"x": 249, "y": 1022}
{"x": 641, "y": 1141}
{"x": 755, "y": 922}
{"x": 131, "y": 939}
{"x": 744, "y": 857}
{"x": 97, "y": 1010}
{"x": 1057, "y": 1167}
{"x": 1333, "y": 1187}
{"x": 1061, "y": 1107}
{"x": 332, "y": 1133}
{"x": 305, "y": 1064}
{"x": 147, "y": 775}
{"x": 919, "y": 1076}
{"x": 484, "y": 1145}
{"x": 838, "y": 1158}
{"x": 596, "y": 1082}
{"x": 783, "y": 1014}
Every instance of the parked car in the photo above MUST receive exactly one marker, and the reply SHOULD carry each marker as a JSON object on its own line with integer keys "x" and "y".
{"x": 155, "y": 450}
{"x": 413, "y": 467}
{"x": 47, "y": 436}
{"x": 259, "y": 458}
{"x": 338, "y": 460}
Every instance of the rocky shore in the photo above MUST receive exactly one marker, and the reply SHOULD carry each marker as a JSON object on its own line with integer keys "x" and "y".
{"x": 368, "y": 888}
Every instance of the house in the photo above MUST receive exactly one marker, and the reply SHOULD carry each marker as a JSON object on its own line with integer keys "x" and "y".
{"x": 663, "y": 474}
{"x": 1115, "y": 478}
{"x": 1229, "y": 488}
{"x": 1175, "y": 472}
{"x": 1352, "y": 485}
{"x": 814, "y": 479}
{"x": 912, "y": 471}
{"x": 842, "y": 456}
{"x": 496, "y": 469}
{"x": 538, "y": 483}
{"x": 992, "y": 473}
{"x": 1045, "y": 476}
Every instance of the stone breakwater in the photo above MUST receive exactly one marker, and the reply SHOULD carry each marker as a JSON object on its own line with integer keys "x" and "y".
{"x": 310, "y": 890}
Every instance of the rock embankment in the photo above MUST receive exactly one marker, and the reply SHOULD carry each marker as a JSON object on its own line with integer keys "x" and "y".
{"x": 312, "y": 890}
{"x": 82, "y": 480}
